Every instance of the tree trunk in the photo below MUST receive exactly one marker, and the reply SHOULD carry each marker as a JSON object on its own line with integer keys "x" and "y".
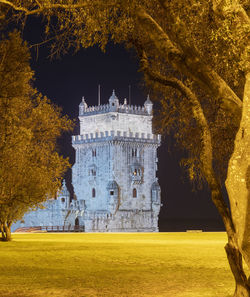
{"x": 234, "y": 254}
{"x": 234, "y": 257}
{"x": 238, "y": 179}
{"x": 2, "y": 231}
{"x": 6, "y": 231}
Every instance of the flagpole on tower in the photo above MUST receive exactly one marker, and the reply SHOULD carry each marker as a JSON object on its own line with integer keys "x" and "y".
{"x": 129, "y": 94}
{"x": 99, "y": 94}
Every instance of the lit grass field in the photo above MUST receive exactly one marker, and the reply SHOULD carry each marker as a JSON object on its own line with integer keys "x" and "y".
{"x": 138, "y": 264}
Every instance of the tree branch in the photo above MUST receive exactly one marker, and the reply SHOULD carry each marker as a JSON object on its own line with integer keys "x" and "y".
{"x": 12, "y": 5}
{"x": 206, "y": 153}
{"x": 43, "y": 7}
{"x": 190, "y": 65}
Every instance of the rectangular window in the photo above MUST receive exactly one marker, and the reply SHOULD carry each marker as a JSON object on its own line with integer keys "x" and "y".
{"x": 134, "y": 193}
{"x": 111, "y": 193}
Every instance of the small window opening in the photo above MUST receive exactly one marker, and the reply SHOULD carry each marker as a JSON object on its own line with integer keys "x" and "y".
{"x": 111, "y": 193}
{"x": 94, "y": 153}
{"x": 134, "y": 193}
{"x": 113, "y": 104}
{"x": 63, "y": 200}
{"x": 135, "y": 172}
{"x": 93, "y": 192}
{"x": 134, "y": 152}
{"x": 93, "y": 172}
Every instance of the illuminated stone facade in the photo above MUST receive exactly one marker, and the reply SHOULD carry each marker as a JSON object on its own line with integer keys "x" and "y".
{"x": 114, "y": 175}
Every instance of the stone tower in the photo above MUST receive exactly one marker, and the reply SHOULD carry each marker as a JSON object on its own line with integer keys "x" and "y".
{"x": 114, "y": 175}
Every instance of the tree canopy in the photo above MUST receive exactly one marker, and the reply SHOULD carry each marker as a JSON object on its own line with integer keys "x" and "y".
{"x": 196, "y": 57}
{"x": 30, "y": 167}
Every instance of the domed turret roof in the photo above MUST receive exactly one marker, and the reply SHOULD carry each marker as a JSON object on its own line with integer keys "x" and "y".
{"x": 148, "y": 101}
{"x": 113, "y": 98}
{"x": 64, "y": 190}
{"x": 83, "y": 102}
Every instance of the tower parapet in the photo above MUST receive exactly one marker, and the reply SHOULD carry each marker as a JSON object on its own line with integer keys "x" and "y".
{"x": 115, "y": 106}
{"x": 115, "y": 117}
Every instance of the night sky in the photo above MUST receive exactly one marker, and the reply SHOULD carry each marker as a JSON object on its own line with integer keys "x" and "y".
{"x": 64, "y": 81}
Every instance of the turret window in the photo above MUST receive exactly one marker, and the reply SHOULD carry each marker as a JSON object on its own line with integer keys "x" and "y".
{"x": 134, "y": 193}
{"x": 93, "y": 193}
{"x": 111, "y": 193}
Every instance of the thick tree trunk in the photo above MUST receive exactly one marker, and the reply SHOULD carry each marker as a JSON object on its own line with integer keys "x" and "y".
{"x": 234, "y": 256}
{"x": 238, "y": 178}
{"x": 2, "y": 230}
{"x": 5, "y": 228}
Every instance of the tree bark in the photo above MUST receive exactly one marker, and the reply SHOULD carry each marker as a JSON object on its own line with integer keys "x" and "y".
{"x": 2, "y": 231}
{"x": 235, "y": 261}
{"x": 238, "y": 178}
{"x": 5, "y": 228}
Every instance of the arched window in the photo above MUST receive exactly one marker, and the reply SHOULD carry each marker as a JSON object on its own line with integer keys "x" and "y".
{"x": 134, "y": 193}
{"x": 93, "y": 192}
{"x": 94, "y": 153}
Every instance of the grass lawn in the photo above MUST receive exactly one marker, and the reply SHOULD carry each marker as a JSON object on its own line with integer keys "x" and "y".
{"x": 122, "y": 264}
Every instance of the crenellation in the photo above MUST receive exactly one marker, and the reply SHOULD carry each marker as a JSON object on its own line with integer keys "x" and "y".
{"x": 115, "y": 134}
{"x": 121, "y": 108}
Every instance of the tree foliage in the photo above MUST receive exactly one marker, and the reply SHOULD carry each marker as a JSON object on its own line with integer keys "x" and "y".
{"x": 30, "y": 167}
{"x": 195, "y": 55}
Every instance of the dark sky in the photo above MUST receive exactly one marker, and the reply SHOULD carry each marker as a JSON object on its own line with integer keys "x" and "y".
{"x": 66, "y": 80}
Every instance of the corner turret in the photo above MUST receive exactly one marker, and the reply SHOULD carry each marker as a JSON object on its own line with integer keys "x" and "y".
{"x": 113, "y": 102}
{"x": 82, "y": 106}
{"x": 148, "y": 105}
{"x": 64, "y": 195}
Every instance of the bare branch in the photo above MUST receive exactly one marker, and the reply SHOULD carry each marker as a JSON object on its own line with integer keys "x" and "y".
{"x": 43, "y": 7}
{"x": 12, "y": 5}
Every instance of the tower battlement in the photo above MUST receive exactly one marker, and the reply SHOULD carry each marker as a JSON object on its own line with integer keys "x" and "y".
{"x": 121, "y": 108}
{"x": 116, "y": 135}
{"x": 121, "y": 118}
{"x": 115, "y": 106}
